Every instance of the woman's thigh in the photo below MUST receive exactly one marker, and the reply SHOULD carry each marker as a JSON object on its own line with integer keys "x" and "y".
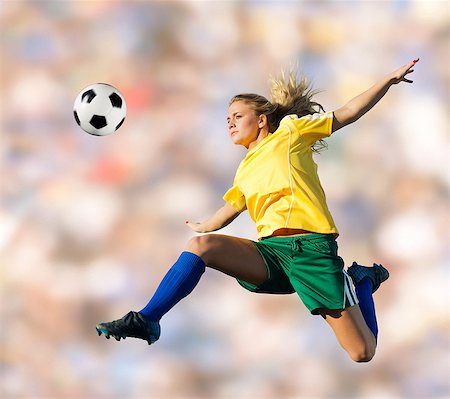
{"x": 237, "y": 257}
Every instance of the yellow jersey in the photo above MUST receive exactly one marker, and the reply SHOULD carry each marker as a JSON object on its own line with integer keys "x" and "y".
{"x": 277, "y": 181}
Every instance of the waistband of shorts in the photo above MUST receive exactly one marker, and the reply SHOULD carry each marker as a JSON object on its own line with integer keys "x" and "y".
{"x": 303, "y": 238}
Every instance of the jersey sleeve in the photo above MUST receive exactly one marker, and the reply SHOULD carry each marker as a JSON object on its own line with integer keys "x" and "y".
{"x": 313, "y": 127}
{"x": 235, "y": 198}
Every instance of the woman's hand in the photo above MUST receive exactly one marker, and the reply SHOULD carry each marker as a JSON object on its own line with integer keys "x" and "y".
{"x": 399, "y": 75}
{"x": 197, "y": 227}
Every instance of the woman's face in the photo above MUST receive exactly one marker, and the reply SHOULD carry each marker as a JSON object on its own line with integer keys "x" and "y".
{"x": 243, "y": 123}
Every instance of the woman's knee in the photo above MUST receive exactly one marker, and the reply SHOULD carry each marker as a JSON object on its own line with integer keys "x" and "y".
{"x": 363, "y": 353}
{"x": 201, "y": 246}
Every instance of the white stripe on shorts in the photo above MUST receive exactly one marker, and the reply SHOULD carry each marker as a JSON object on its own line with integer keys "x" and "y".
{"x": 349, "y": 291}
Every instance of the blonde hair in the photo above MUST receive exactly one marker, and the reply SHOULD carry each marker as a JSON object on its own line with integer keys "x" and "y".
{"x": 287, "y": 96}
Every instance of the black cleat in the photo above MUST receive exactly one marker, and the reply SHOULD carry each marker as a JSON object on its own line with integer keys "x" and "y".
{"x": 133, "y": 324}
{"x": 377, "y": 273}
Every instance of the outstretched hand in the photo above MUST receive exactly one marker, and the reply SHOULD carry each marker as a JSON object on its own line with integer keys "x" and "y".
{"x": 399, "y": 75}
{"x": 197, "y": 227}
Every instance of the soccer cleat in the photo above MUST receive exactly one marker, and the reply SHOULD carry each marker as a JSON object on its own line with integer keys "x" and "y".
{"x": 133, "y": 324}
{"x": 377, "y": 273}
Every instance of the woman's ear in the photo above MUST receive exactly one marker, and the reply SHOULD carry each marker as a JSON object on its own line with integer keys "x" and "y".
{"x": 262, "y": 121}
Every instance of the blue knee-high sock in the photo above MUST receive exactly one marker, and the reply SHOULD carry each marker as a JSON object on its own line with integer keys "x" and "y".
{"x": 179, "y": 282}
{"x": 364, "y": 293}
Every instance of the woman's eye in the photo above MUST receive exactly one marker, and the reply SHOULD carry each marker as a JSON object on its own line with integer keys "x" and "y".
{"x": 238, "y": 116}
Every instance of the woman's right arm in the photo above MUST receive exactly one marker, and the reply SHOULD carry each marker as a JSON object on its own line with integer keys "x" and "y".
{"x": 223, "y": 217}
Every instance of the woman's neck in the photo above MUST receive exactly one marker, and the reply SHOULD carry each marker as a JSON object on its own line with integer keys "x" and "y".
{"x": 263, "y": 133}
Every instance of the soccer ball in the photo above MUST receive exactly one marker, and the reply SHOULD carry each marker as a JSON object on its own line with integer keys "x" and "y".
{"x": 100, "y": 109}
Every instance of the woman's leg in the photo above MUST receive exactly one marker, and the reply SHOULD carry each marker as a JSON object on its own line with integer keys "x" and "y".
{"x": 234, "y": 256}
{"x": 352, "y": 332}
{"x": 356, "y": 327}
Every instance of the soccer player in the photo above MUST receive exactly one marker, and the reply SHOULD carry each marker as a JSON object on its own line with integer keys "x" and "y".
{"x": 296, "y": 251}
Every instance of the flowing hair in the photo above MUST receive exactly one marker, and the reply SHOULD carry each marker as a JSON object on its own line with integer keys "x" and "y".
{"x": 287, "y": 96}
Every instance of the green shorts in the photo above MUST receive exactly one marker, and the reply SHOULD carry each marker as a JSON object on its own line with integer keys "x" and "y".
{"x": 308, "y": 265}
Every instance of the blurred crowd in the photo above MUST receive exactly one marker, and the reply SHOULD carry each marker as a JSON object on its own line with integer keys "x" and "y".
{"x": 90, "y": 225}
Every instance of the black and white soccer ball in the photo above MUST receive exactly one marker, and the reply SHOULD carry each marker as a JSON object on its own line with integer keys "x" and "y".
{"x": 100, "y": 109}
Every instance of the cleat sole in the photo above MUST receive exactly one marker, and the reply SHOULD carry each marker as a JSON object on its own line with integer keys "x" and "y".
{"x": 102, "y": 331}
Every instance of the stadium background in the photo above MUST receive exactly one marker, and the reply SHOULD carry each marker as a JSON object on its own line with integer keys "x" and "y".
{"x": 89, "y": 225}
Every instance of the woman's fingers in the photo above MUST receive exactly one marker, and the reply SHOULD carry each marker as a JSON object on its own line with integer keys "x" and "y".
{"x": 412, "y": 63}
{"x": 399, "y": 75}
{"x": 194, "y": 226}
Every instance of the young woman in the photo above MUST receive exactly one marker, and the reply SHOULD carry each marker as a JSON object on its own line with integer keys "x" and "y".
{"x": 277, "y": 182}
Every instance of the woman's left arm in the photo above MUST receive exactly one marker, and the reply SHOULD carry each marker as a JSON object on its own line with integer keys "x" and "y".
{"x": 359, "y": 105}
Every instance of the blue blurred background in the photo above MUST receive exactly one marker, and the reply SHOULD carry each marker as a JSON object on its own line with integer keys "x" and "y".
{"x": 89, "y": 225}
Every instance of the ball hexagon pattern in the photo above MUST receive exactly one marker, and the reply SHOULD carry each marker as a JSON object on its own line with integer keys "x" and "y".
{"x": 100, "y": 109}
